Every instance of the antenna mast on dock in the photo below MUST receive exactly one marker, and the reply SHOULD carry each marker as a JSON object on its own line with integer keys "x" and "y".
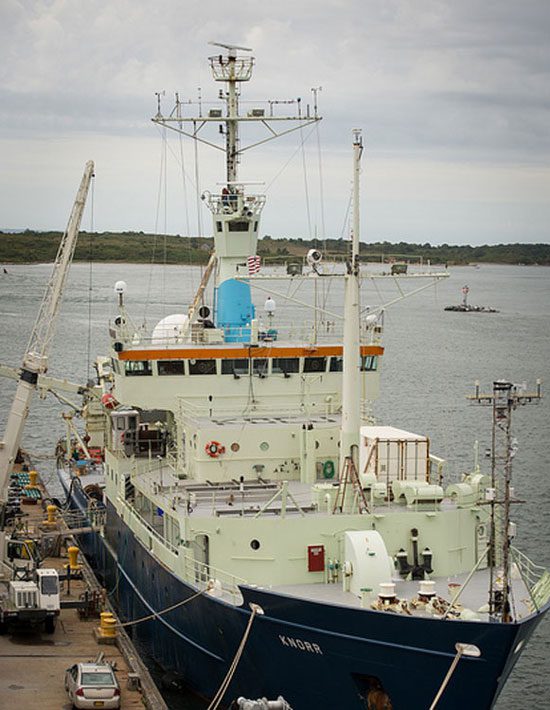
{"x": 504, "y": 399}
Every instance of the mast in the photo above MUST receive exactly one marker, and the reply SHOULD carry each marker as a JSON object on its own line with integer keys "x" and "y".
{"x": 235, "y": 214}
{"x": 505, "y": 398}
{"x": 351, "y": 391}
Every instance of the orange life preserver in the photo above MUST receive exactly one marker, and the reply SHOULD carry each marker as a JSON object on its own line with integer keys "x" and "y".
{"x": 214, "y": 449}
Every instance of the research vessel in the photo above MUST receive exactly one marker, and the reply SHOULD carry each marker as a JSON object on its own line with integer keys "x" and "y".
{"x": 242, "y": 505}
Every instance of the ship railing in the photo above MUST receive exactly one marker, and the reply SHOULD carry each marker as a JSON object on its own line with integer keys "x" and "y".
{"x": 235, "y": 203}
{"x": 190, "y": 410}
{"x": 535, "y": 577}
{"x": 172, "y": 462}
{"x": 240, "y": 69}
{"x": 301, "y": 330}
{"x": 203, "y": 575}
{"x": 132, "y": 513}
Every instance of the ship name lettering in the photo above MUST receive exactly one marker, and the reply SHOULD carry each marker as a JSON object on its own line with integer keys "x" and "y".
{"x": 300, "y": 645}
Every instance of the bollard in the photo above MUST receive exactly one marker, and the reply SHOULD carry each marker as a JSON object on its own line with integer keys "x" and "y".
{"x": 73, "y": 557}
{"x": 106, "y": 633}
{"x": 33, "y": 479}
{"x": 52, "y": 516}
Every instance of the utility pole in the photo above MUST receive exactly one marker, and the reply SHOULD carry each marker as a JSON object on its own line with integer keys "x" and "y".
{"x": 504, "y": 399}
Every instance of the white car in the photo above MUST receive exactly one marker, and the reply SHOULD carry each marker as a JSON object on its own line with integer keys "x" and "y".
{"x": 92, "y": 685}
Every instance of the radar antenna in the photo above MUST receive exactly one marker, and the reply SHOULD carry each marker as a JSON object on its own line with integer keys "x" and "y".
{"x": 231, "y": 48}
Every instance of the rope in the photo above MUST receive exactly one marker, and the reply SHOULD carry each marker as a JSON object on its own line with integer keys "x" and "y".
{"x": 156, "y": 614}
{"x": 447, "y": 678}
{"x": 277, "y": 175}
{"x": 233, "y": 667}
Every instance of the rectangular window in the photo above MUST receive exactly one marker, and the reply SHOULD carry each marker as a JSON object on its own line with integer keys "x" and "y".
{"x": 115, "y": 365}
{"x": 336, "y": 363}
{"x": 48, "y": 584}
{"x": 238, "y": 226}
{"x": 138, "y": 368}
{"x": 285, "y": 364}
{"x": 171, "y": 367}
{"x": 369, "y": 363}
{"x": 219, "y": 226}
{"x": 259, "y": 366}
{"x": 235, "y": 367}
{"x": 315, "y": 364}
{"x": 202, "y": 367}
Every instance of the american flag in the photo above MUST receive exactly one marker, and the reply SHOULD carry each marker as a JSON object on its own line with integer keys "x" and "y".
{"x": 253, "y": 264}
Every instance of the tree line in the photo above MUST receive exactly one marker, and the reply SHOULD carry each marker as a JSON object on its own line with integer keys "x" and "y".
{"x": 138, "y": 247}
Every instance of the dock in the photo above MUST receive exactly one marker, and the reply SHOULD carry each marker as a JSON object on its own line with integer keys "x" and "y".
{"x": 33, "y": 663}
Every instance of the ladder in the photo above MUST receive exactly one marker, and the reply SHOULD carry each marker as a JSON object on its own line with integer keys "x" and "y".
{"x": 349, "y": 476}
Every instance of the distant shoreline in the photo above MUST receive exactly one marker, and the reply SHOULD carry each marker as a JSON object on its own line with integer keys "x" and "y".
{"x": 142, "y": 248}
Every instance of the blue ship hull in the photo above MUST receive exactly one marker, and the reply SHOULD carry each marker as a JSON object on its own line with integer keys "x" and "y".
{"x": 315, "y": 655}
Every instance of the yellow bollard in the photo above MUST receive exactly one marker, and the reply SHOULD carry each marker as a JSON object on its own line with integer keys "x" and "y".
{"x": 33, "y": 479}
{"x": 73, "y": 557}
{"x": 107, "y": 626}
{"x": 51, "y": 522}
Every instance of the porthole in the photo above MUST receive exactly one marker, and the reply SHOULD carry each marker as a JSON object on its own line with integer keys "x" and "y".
{"x": 264, "y": 446}
{"x": 255, "y": 544}
{"x": 235, "y": 447}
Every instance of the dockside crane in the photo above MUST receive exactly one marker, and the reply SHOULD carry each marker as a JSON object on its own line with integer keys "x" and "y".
{"x": 35, "y": 360}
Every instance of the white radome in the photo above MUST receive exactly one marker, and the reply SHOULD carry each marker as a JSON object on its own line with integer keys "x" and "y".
{"x": 170, "y": 329}
{"x": 120, "y": 287}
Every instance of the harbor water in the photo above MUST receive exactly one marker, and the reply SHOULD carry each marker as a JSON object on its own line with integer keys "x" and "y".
{"x": 431, "y": 362}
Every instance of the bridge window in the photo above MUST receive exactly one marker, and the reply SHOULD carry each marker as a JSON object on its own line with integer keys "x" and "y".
{"x": 171, "y": 367}
{"x": 237, "y": 226}
{"x": 138, "y": 368}
{"x": 235, "y": 367}
{"x": 202, "y": 367}
{"x": 315, "y": 364}
{"x": 259, "y": 366}
{"x": 369, "y": 363}
{"x": 336, "y": 363}
{"x": 285, "y": 364}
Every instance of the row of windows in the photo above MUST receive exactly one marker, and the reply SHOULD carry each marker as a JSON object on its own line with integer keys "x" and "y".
{"x": 244, "y": 366}
{"x": 237, "y": 226}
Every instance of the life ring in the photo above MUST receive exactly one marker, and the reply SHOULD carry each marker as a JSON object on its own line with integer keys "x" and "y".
{"x": 108, "y": 400}
{"x": 328, "y": 469}
{"x": 214, "y": 449}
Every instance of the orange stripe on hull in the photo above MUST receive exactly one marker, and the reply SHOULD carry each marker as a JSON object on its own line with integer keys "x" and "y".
{"x": 240, "y": 352}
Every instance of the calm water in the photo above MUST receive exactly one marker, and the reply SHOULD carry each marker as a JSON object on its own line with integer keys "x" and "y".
{"x": 432, "y": 360}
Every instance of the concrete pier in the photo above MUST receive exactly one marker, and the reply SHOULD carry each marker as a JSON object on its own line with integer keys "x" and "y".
{"x": 33, "y": 663}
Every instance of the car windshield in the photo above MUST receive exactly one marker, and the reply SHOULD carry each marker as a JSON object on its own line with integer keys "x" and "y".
{"x": 101, "y": 678}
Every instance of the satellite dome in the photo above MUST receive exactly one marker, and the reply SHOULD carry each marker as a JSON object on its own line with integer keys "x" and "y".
{"x": 170, "y": 330}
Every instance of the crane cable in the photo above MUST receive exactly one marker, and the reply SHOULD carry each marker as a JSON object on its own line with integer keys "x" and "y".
{"x": 88, "y": 363}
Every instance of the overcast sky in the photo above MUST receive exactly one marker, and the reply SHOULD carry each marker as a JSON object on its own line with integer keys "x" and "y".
{"x": 452, "y": 96}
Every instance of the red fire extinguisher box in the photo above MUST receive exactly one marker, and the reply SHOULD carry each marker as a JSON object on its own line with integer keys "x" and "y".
{"x": 315, "y": 558}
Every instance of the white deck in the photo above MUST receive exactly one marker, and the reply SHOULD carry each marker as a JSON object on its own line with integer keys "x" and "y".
{"x": 474, "y": 596}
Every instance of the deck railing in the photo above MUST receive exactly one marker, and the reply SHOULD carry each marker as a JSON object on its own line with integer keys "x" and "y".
{"x": 535, "y": 577}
